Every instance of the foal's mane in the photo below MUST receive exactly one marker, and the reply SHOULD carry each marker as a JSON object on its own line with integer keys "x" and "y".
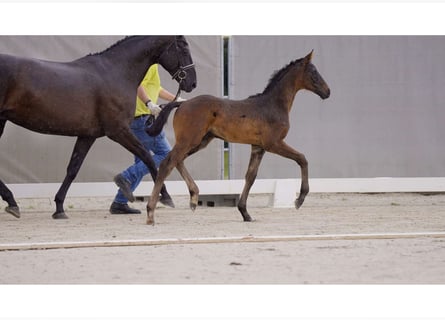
{"x": 277, "y": 76}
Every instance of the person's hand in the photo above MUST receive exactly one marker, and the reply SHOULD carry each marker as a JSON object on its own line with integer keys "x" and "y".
{"x": 181, "y": 99}
{"x": 154, "y": 108}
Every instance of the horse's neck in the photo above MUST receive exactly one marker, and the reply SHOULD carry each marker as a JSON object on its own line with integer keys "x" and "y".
{"x": 136, "y": 55}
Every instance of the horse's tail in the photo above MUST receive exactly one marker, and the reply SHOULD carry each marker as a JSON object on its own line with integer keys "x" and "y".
{"x": 162, "y": 118}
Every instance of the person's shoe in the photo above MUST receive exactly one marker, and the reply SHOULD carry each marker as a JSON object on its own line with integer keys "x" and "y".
{"x": 124, "y": 186}
{"x": 121, "y": 208}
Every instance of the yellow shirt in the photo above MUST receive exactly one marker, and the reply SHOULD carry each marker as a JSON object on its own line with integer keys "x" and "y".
{"x": 152, "y": 85}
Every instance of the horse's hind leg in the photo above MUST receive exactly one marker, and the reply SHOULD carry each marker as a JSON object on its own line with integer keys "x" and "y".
{"x": 256, "y": 156}
{"x": 81, "y": 148}
{"x": 7, "y": 196}
{"x": 5, "y": 193}
{"x": 126, "y": 139}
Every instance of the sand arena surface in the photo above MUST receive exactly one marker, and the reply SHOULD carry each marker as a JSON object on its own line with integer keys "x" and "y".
{"x": 416, "y": 259}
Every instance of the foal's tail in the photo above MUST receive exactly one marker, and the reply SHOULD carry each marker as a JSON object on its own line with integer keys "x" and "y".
{"x": 162, "y": 118}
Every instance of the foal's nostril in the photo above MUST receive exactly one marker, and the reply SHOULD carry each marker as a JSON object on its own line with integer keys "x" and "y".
{"x": 328, "y": 93}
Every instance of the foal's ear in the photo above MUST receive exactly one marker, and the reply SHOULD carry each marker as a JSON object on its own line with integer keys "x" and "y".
{"x": 308, "y": 58}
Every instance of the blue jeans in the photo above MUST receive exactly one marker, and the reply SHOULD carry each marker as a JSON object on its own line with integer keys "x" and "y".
{"x": 158, "y": 146}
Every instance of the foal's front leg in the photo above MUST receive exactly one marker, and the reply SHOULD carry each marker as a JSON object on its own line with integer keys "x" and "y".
{"x": 282, "y": 149}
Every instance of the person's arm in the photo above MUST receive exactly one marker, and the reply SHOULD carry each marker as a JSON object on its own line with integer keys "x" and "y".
{"x": 153, "y": 107}
{"x": 166, "y": 95}
{"x": 142, "y": 94}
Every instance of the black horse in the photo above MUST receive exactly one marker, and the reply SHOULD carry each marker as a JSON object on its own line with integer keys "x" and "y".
{"x": 91, "y": 97}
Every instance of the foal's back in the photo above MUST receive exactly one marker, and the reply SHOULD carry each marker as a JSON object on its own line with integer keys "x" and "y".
{"x": 248, "y": 121}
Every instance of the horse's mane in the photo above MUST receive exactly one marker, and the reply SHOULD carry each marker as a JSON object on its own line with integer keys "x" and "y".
{"x": 113, "y": 45}
{"x": 276, "y": 77}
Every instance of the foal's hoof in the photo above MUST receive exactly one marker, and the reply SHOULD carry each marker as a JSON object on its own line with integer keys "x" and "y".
{"x": 193, "y": 206}
{"x": 299, "y": 203}
{"x": 150, "y": 221}
{"x": 15, "y": 211}
{"x": 59, "y": 215}
{"x": 166, "y": 201}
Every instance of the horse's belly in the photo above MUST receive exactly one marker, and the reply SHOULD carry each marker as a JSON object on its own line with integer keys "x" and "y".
{"x": 63, "y": 127}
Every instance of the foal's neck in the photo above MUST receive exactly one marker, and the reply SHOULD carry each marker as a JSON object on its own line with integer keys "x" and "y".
{"x": 285, "y": 90}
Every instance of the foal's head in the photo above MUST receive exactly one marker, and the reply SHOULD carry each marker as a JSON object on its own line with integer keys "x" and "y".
{"x": 177, "y": 60}
{"x": 312, "y": 80}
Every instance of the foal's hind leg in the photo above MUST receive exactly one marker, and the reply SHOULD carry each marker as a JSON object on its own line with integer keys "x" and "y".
{"x": 81, "y": 148}
{"x": 193, "y": 188}
{"x": 282, "y": 149}
{"x": 165, "y": 169}
{"x": 256, "y": 156}
{"x": 5, "y": 193}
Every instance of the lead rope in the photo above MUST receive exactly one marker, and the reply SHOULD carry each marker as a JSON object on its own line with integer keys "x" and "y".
{"x": 179, "y": 91}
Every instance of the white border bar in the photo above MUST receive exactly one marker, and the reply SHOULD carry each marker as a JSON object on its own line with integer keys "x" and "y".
{"x": 216, "y": 240}
{"x": 261, "y": 186}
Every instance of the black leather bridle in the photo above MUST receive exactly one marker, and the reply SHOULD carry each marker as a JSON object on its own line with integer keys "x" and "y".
{"x": 180, "y": 74}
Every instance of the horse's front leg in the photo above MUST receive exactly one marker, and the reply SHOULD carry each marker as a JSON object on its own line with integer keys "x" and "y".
{"x": 256, "y": 156}
{"x": 5, "y": 193}
{"x": 81, "y": 148}
{"x": 7, "y": 196}
{"x": 282, "y": 149}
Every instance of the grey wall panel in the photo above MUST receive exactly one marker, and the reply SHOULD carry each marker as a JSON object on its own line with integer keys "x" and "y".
{"x": 27, "y": 157}
{"x": 385, "y": 116}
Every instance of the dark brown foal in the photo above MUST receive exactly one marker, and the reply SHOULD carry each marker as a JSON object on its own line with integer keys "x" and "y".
{"x": 261, "y": 121}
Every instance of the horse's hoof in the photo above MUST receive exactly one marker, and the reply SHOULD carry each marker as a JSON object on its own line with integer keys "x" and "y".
{"x": 15, "y": 211}
{"x": 167, "y": 201}
{"x": 193, "y": 206}
{"x": 59, "y": 215}
{"x": 150, "y": 222}
{"x": 248, "y": 218}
